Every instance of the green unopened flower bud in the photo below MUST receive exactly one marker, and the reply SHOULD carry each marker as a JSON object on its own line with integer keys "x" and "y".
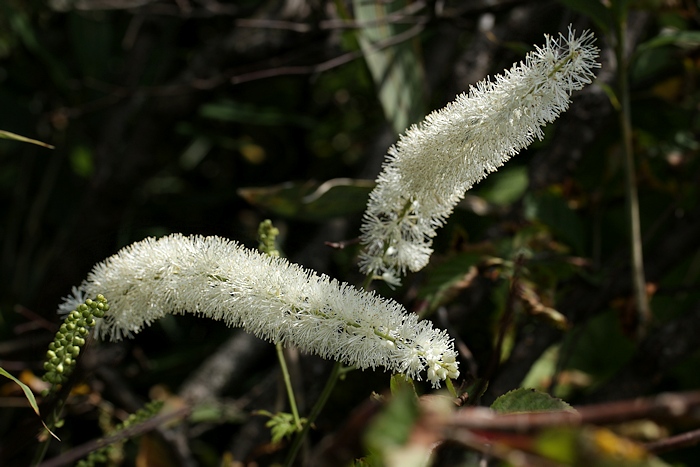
{"x": 89, "y": 302}
{"x": 59, "y": 368}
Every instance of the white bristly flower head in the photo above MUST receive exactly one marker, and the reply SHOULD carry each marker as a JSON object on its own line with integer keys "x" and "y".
{"x": 267, "y": 296}
{"x": 435, "y": 162}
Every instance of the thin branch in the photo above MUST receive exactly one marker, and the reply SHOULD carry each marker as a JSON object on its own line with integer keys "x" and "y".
{"x": 663, "y": 406}
{"x": 635, "y": 232}
{"x": 83, "y": 450}
{"x": 672, "y": 443}
{"x": 328, "y": 64}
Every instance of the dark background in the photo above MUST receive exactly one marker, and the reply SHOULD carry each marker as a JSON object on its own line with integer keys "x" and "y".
{"x": 162, "y": 111}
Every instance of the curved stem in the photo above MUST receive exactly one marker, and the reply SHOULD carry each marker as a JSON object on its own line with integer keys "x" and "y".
{"x": 315, "y": 411}
{"x": 635, "y": 232}
{"x": 288, "y": 385}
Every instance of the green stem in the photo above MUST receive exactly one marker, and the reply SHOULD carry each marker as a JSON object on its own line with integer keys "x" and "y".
{"x": 288, "y": 385}
{"x": 315, "y": 411}
{"x": 632, "y": 198}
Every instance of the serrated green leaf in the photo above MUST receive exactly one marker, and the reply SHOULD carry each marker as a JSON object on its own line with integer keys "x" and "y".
{"x": 528, "y": 400}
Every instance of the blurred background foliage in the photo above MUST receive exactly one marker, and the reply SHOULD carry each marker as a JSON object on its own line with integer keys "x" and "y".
{"x": 208, "y": 116}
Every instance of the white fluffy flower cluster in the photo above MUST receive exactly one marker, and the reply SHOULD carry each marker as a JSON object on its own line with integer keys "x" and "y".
{"x": 434, "y": 163}
{"x": 267, "y": 296}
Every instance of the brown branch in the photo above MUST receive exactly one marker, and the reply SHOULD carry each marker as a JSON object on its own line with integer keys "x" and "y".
{"x": 672, "y": 443}
{"x": 329, "y": 64}
{"x": 663, "y": 406}
{"x": 83, "y": 450}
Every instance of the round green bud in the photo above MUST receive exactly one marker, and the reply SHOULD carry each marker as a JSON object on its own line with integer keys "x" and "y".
{"x": 55, "y": 361}
{"x": 79, "y": 341}
{"x": 59, "y": 336}
{"x": 83, "y": 307}
{"x": 59, "y": 368}
{"x": 98, "y": 314}
{"x": 52, "y": 346}
{"x": 50, "y": 354}
{"x": 91, "y": 322}
{"x": 81, "y": 331}
{"x": 87, "y": 313}
{"x": 89, "y": 302}
{"x": 75, "y": 351}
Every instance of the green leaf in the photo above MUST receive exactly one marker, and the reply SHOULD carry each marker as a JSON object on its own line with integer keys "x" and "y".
{"x": 528, "y": 400}
{"x": 281, "y": 424}
{"x": 228, "y": 110}
{"x": 401, "y": 383}
{"x": 449, "y": 277}
{"x": 8, "y": 135}
{"x": 310, "y": 201}
{"x": 393, "y": 425}
{"x": 396, "y": 70}
{"x": 506, "y": 187}
{"x": 30, "y": 397}
{"x": 551, "y": 209}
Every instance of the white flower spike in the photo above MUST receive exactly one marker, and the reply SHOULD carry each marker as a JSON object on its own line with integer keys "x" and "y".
{"x": 435, "y": 162}
{"x": 267, "y": 296}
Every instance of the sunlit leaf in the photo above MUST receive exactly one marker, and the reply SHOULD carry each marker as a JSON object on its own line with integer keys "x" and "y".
{"x": 528, "y": 400}
{"x": 396, "y": 70}
{"x": 29, "y": 395}
{"x": 8, "y": 135}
